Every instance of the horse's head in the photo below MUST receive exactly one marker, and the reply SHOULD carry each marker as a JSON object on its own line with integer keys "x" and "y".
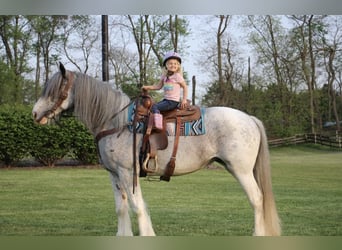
{"x": 56, "y": 96}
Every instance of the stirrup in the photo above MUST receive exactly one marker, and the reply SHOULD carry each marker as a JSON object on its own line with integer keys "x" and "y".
{"x": 153, "y": 164}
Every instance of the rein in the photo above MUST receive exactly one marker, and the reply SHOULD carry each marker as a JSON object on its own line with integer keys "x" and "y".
{"x": 133, "y": 100}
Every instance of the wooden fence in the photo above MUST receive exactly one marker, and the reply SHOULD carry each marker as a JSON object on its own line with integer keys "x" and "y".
{"x": 330, "y": 141}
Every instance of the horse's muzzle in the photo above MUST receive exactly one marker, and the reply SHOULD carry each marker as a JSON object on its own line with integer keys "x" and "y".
{"x": 41, "y": 120}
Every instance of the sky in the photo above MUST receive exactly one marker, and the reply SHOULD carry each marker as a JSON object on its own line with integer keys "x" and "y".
{"x": 191, "y": 61}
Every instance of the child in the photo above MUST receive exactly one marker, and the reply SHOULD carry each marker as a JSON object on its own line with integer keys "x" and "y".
{"x": 172, "y": 80}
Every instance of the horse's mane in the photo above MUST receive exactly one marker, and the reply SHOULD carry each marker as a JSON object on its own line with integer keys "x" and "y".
{"x": 52, "y": 87}
{"x": 96, "y": 103}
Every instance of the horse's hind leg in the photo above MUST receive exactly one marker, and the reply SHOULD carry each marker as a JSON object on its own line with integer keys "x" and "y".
{"x": 122, "y": 208}
{"x": 255, "y": 198}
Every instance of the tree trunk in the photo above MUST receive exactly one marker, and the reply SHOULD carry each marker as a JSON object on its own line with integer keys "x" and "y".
{"x": 139, "y": 41}
{"x": 105, "y": 66}
{"x": 223, "y": 98}
{"x": 36, "y": 87}
{"x": 193, "y": 90}
{"x": 304, "y": 52}
{"x": 331, "y": 79}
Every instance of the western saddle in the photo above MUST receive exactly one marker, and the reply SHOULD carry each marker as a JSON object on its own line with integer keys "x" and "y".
{"x": 155, "y": 139}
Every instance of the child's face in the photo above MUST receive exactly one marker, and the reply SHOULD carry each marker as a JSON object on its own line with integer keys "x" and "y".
{"x": 172, "y": 65}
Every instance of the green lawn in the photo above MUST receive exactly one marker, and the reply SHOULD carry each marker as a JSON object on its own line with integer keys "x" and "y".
{"x": 76, "y": 201}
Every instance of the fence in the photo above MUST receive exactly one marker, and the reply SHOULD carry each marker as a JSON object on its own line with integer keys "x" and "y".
{"x": 330, "y": 141}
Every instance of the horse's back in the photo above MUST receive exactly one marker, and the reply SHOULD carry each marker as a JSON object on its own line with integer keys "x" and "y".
{"x": 228, "y": 120}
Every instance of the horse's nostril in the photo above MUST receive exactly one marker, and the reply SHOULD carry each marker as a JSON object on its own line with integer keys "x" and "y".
{"x": 34, "y": 115}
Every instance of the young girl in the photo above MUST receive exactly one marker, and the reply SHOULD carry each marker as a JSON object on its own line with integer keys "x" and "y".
{"x": 172, "y": 80}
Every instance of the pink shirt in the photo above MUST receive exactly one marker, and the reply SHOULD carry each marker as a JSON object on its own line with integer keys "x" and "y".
{"x": 172, "y": 86}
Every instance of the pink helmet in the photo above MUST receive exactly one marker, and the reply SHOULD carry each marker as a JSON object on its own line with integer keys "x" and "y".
{"x": 171, "y": 55}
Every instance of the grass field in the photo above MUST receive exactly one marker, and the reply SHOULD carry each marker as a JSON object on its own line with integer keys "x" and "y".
{"x": 307, "y": 184}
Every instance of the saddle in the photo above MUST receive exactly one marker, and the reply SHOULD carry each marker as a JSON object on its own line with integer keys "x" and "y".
{"x": 155, "y": 139}
{"x": 190, "y": 113}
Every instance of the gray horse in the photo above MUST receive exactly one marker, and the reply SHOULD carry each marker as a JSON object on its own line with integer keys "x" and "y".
{"x": 233, "y": 138}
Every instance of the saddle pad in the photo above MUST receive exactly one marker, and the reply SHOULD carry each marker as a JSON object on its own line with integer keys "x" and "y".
{"x": 130, "y": 117}
{"x": 187, "y": 128}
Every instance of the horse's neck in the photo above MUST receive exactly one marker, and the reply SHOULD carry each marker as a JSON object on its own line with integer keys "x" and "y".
{"x": 98, "y": 106}
{"x": 116, "y": 123}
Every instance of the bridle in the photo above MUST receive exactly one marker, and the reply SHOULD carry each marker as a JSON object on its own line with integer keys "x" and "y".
{"x": 63, "y": 95}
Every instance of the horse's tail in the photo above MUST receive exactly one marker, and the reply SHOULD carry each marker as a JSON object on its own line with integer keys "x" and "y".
{"x": 262, "y": 175}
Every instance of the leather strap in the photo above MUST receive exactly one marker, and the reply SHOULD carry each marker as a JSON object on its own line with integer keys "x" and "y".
{"x": 170, "y": 167}
{"x": 175, "y": 145}
{"x": 105, "y": 133}
{"x": 135, "y": 120}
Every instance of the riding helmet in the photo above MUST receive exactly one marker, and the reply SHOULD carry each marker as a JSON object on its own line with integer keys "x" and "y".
{"x": 171, "y": 55}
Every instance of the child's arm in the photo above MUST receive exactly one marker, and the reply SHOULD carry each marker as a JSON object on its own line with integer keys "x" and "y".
{"x": 185, "y": 94}
{"x": 158, "y": 86}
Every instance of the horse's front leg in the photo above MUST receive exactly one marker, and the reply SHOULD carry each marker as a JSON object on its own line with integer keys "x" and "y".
{"x": 138, "y": 204}
{"x": 122, "y": 208}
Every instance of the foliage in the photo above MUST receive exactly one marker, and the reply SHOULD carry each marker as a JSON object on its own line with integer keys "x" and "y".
{"x": 21, "y": 138}
{"x": 132, "y": 90}
{"x": 15, "y": 133}
{"x": 7, "y": 81}
{"x": 280, "y": 119}
{"x": 50, "y": 144}
{"x": 82, "y": 145}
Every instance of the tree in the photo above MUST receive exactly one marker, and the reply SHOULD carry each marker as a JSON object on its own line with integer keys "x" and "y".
{"x": 7, "y": 83}
{"x": 80, "y": 40}
{"x": 153, "y": 36}
{"x": 164, "y": 34}
{"x": 139, "y": 34}
{"x": 125, "y": 67}
{"x": 225, "y": 64}
{"x": 305, "y": 33}
{"x": 331, "y": 47}
{"x": 268, "y": 37}
{"x": 48, "y": 31}
{"x": 223, "y": 24}
{"x": 15, "y": 35}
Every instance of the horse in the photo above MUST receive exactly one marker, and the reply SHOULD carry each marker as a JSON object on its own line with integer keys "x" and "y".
{"x": 233, "y": 138}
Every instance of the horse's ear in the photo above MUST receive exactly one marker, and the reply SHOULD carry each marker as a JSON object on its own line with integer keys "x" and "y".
{"x": 62, "y": 69}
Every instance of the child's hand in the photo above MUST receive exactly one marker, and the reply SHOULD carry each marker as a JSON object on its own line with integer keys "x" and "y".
{"x": 184, "y": 104}
{"x": 144, "y": 90}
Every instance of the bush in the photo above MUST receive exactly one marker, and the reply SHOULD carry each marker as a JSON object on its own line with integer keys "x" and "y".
{"x": 15, "y": 133}
{"x": 83, "y": 147}
{"x": 21, "y": 138}
{"x": 50, "y": 144}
